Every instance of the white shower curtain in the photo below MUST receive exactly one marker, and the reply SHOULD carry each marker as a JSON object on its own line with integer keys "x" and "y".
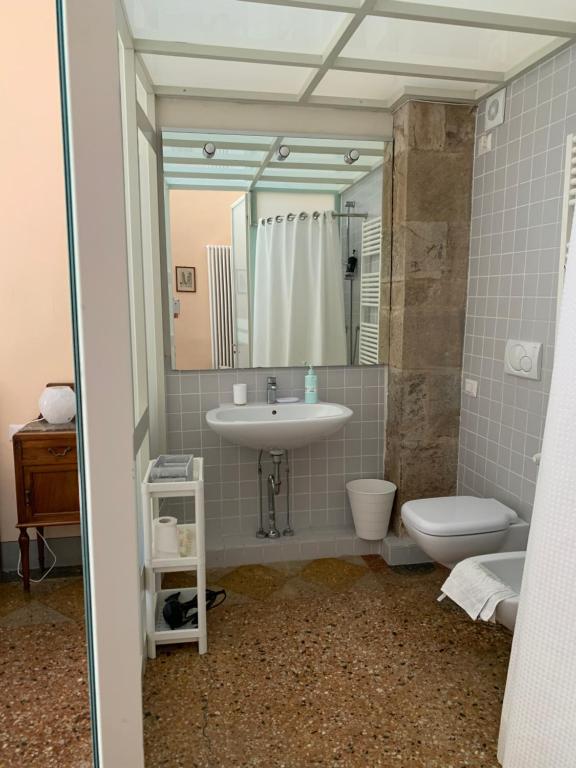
{"x": 538, "y": 728}
{"x": 299, "y": 293}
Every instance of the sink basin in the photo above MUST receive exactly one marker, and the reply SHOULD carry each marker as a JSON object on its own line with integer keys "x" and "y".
{"x": 278, "y": 426}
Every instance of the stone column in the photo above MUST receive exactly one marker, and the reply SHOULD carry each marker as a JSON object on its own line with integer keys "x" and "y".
{"x": 433, "y": 157}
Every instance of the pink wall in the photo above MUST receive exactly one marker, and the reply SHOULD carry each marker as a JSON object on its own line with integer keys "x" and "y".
{"x": 197, "y": 218}
{"x": 35, "y": 342}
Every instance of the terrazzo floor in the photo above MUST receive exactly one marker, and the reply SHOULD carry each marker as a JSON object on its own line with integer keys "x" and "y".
{"x": 330, "y": 663}
{"x": 44, "y": 707}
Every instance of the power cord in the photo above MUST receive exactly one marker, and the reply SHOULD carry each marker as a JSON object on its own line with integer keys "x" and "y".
{"x": 46, "y": 573}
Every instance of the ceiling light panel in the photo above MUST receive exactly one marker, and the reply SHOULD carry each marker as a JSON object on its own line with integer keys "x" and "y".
{"x": 418, "y": 42}
{"x": 225, "y": 75}
{"x": 551, "y": 9}
{"x": 360, "y": 85}
{"x": 233, "y": 23}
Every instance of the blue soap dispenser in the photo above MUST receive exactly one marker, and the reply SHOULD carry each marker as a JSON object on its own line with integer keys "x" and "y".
{"x": 310, "y": 386}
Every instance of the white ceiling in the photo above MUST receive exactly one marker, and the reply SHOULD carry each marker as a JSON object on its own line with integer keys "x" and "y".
{"x": 357, "y": 53}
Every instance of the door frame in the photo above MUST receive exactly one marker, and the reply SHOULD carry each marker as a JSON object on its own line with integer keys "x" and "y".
{"x": 102, "y": 348}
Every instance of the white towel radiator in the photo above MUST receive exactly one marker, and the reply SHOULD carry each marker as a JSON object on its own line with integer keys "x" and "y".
{"x": 221, "y": 305}
{"x": 370, "y": 290}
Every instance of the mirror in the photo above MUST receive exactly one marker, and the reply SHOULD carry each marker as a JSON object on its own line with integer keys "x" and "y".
{"x": 277, "y": 250}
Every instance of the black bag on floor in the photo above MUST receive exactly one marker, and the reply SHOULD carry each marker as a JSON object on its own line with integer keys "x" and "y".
{"x": 177, "y": 614}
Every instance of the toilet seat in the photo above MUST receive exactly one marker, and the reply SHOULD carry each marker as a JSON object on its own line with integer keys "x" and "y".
{"x": 457, "y": 516}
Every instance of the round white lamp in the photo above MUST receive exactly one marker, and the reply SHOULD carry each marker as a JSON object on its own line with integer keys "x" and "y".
{"x": 57, "y": 405}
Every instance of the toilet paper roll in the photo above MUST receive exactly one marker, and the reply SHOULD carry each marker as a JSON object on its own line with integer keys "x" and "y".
{"x": 166, "y": 536}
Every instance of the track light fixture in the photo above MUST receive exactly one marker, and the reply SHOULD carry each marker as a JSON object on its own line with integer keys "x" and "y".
{"x": 283, "y": 152}
{"x": 209, "y": 150}
{"x": 351, "y": 156}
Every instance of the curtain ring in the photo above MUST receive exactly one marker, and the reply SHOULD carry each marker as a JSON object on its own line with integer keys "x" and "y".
{"x": 303, "y": 216}
{"x": 316, "y": 215}
{"x": 290, "y": 217}
{"x": 279, "y": 219}
{"x": 269, "y": 220}
{"x": 262, "y": 222}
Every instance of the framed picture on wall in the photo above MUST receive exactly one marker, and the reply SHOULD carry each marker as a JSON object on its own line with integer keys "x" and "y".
{"x": 186, "y": 279}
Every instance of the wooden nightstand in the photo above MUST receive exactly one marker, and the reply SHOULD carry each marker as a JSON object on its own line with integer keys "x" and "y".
{"x": 46, "y": 469}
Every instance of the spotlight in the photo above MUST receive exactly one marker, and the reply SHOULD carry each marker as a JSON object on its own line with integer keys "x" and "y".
{"x": 283, "y": 152}
{"x": 351, "y": 156}
{"x": 209, "y": 150}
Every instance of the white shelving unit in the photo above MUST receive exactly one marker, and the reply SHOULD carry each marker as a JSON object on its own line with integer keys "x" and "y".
{"x": 194, "y": 559}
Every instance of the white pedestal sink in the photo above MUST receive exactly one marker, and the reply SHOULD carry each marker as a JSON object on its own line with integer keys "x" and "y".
{"x": 278, "y": 426}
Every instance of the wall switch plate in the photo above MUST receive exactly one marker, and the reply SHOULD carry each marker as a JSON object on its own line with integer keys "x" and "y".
{"x": 471, "y": 387}
{"x": 484, "y": 143}
{"x": 523, "y": 359}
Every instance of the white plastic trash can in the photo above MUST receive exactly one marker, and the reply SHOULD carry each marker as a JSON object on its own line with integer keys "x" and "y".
{"x": 371, "y": 502}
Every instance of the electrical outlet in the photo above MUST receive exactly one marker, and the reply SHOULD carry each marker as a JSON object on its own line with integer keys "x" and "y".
{"x": 484, "y": 143}
{"x": 471, "y": 387}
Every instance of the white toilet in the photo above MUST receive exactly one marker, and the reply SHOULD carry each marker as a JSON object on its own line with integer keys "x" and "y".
{"x": 452, "y": 528}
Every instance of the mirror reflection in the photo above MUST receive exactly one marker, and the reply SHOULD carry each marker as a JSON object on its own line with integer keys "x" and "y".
{"x": 276, "y": 250}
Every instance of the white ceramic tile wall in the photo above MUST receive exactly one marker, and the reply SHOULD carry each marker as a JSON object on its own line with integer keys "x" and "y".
{"x": 367, "y": 194}
{"x": 515, "y": 242}
{"x": 320, "y": 510}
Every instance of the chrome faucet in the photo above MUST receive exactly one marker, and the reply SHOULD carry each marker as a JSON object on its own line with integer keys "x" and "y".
{"x": 271, "y": 390}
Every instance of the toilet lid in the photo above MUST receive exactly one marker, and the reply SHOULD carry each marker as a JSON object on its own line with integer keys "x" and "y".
{"x": 457, "y": 515}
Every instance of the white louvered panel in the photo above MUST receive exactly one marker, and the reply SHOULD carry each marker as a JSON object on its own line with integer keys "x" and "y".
{"x": 370, "y": 292}
{"x": 568, "y": 205}
{"x": 221, "y": 315}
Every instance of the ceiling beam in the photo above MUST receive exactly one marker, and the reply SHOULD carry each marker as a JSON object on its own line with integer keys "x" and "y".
{"x": 257, "y": 97}
{"x": 312, "y": 149}
{"x": 199, "y": 175}
{"x": 347, "y": 29}
{"x": 462, "y": 17}
{"x": 357, "y": 168}
{"x": 247, "y": 177}
{"x": 199, "y": 143}
{"x": 266, "y": 160}
{"x": 340, "y": 6}
{"x": 438, "y": 14}
{"x": 347, "y": 64}
{"x": 230, "y": 187}
{"x": 222, "y": 94}
{"x": 347, "y": 103}
{"x": 308, "y": 179}
{"x": 216, "y": 161}
{"x": 226, "y": 53}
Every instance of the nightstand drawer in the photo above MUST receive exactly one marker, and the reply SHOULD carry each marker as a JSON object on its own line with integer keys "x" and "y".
{"x": 62, "y": 451}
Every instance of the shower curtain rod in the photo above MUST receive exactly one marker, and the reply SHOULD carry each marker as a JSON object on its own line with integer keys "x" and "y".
{"x": 316, "y": 215}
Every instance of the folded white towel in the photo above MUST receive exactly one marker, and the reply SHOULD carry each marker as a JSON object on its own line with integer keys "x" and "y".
{"x": 475, "y": 589}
